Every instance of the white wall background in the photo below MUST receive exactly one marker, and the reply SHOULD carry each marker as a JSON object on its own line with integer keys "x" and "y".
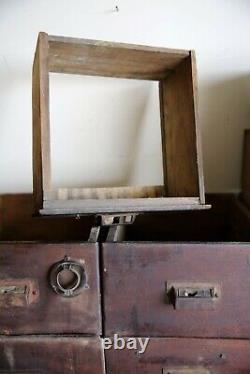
{"x": 219, "y": 31}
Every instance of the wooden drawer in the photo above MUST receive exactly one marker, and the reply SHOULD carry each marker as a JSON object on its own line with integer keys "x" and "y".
{"x": 51, "y": 355}
{"x": 181, "y": 290}
{"x": 183, "y": 356}
{"x": 49, "y": 288}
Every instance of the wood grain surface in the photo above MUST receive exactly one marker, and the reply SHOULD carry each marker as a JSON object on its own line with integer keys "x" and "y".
{"x": 51, "y": 355}
{"x": 136, "y": 274}
{"x": 183, "y": 356}
{"x": 49, "y": 312}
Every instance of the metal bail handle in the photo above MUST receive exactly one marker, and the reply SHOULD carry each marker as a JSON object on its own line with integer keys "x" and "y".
{"x": 78, "y": 283}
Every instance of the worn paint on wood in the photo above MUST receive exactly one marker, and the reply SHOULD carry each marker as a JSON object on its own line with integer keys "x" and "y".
{"x": 51, "y": 355}
{"x": 49, "y": 312}
{"x": 183, "y": 356}
{"x": 135, "y": 298}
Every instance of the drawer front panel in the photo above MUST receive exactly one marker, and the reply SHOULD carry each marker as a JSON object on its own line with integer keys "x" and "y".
{"x": 51, "y": 355}
{"x": 182, "y": 356}
{"x": 195, "y": 290}
{"x": 49, "y": 288}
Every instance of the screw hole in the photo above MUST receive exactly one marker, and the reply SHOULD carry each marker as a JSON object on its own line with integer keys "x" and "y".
{"x": 222, "y": 355}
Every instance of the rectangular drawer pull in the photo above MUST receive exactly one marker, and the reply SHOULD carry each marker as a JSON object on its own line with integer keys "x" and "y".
{"x": 13, "y": 290}
{"x": 192, "y": 295}
{"x": 195, "y": 292}
{"x": 18, "y": 292}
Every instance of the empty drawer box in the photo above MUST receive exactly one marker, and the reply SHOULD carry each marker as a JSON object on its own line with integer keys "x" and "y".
{"x": 175, "y": 70}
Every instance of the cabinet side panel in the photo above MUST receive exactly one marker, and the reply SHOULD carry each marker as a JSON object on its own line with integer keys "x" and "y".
{"x": 40, "y": 107}
{"x": 181, "y": 153}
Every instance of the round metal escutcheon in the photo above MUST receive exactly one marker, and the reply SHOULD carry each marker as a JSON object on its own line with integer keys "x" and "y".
{"x": 68, "y": 278}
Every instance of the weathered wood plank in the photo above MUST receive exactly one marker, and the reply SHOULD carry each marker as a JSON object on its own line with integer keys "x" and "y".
{"x": 104, "y": 193}
{"x": 41, "y": 131}
{"x": 178, "y": 122}
{"x": 120, "y": 205}
{"x": 93, "y": 57}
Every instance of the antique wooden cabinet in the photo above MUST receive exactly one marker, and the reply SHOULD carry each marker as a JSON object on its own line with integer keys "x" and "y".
{"x": 178, "y": 275}
{"x": 50, "y": 310}
{"x": 179, "y": 278}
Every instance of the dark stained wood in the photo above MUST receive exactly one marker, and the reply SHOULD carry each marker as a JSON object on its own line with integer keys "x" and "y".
{"x": 246, "y": 169}
{"x": 240, "y": 222}
{"x": 51, "y": 355}
{"x": 181, "y": 147}
{"x": 183, "y": 181}
{"x": 228, "y": 220}
{"x": 17, "y": 222}
{"x": 24, "y": 263}
{"x": 135, "y": 278}
{"x": 40, "y": 106}
{"x": 94, "y": 57}
{"x": 177, "y": 356}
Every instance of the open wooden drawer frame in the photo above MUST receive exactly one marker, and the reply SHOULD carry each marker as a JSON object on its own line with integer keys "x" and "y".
{"x": 175, "y": 70}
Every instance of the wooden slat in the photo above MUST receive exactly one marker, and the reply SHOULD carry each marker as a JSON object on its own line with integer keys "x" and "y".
{"x": 104, "y": 193}
{"x": 178, "y": 123}
{"x": 197, "y": 130}
{"x": 40, "y": 105}
{"x": 120, "y": 205}
{"x": 93, "y": 57}
{"x": 246, "y": 168}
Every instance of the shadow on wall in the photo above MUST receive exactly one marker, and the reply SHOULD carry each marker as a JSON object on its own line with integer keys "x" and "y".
{"x": 224, "y": 108}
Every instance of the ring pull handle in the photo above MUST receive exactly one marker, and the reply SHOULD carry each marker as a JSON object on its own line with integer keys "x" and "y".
{"x": 68, "y": 278}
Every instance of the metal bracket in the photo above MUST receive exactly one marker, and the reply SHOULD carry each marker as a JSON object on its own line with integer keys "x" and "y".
{"x": 116, "y": 219}
{"x": 110, "y": 226}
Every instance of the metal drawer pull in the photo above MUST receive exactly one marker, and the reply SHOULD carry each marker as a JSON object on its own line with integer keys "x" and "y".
{"x": 185, "y": 370}
{"x": 191, "y": 292}
{"x": 68, "y": 278}
{"x": 18, "y": 292}
{"x": 192, "y": 295}
{"x": 13, "y": 290}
